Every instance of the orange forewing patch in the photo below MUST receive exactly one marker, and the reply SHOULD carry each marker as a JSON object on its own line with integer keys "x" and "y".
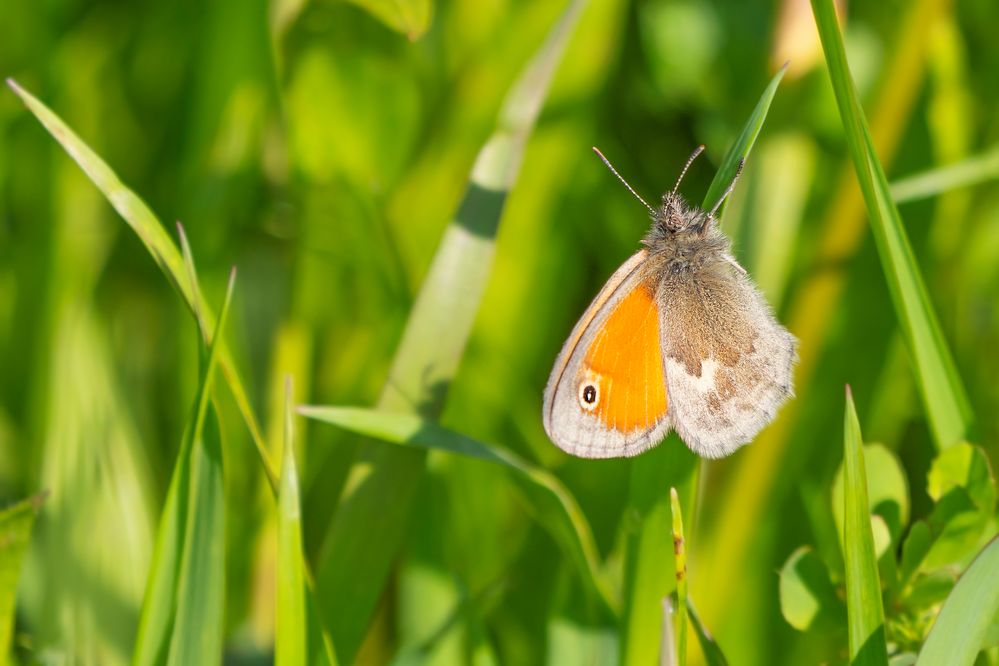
{"x": 625, "y": 362}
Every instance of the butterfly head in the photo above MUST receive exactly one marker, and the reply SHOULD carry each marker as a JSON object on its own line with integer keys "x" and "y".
{"x": 674, "y": 215}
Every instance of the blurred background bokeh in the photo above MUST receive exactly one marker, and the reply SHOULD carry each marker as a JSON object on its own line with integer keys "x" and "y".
{"x": 322, "y": 147}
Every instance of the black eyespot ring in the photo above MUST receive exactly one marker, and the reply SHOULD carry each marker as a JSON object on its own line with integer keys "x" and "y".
{"x": 589, "y": 396}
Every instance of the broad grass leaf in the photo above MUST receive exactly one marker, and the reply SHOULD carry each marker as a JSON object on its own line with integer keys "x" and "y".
{"x": 963, "y": 624}
{"x": 553, "y": 505}
{"x": 808, "y": 597}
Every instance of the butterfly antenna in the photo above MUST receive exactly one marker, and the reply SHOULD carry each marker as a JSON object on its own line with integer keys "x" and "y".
{"x": 619, "y": 177}
{"x": 690, "y": 160}
{"x": 731, "y": 186}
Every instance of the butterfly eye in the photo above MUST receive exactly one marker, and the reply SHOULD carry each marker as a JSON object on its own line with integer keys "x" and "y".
{"x": 589, "y": 396}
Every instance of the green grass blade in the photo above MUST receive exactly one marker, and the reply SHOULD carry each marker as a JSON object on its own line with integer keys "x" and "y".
{"x": 865, "y": 614}
{"x": 739, "y": 151}
{"x": 972, "y": 171}
{"x": 680, "y": 557}
{"x": 186, "y": 555}
{"x": 199, "y": 626}
{"x": 358, "y": 552}
{"x": 960, "y": 629}
{"x": 291, "y": 623}
{"x": 942, "y": 392}
{"x": 554, "y": 505}
{"x": 713, "y": 656}
{"x": 16, "y": 523}
{"x": 151, "y": 232}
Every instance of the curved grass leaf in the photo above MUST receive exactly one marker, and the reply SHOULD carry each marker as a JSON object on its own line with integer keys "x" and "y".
{"x": 865, "y": 613}
{"x": 15, "y": 534}
{"x": 291, "y": 624}
{"x": 555, "y": 507}
{"x": 150, "y": 231}
{"x": 739, "y": 151}
{"x": 943, "y": 395}
{"x": 963, "y": 623}
{"x": 181, "y": 621}
{"x": 358, "y": 552}
{"x": 647, "y": 579}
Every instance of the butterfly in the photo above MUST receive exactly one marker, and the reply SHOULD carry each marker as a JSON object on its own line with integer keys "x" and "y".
{"x": 678, "y": 338}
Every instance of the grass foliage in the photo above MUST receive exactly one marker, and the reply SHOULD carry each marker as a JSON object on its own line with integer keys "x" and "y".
{"x": 408, "y": 191}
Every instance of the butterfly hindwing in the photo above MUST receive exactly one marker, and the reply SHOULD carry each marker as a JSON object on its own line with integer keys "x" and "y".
{"x": 728, "y": 361}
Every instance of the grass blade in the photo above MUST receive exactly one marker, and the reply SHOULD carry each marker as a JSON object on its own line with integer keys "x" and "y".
{"x": 960, "y": 629}
{"x": 972, "y": 171}
{"x": 554, "y": 505}
{"x": 865, "y": 614}
{"x": 182, "y": 609}
{"x": 161, "y": 247}
{"x": 357, "y": 553}
{"x": 739, "y": 151}
{"x": 943, "y": 395}
{"x": 680, "y": 557}
{"x": 713, "y": 655}
{"x": 15, "y": 534}
{"x": 290, "y": 647}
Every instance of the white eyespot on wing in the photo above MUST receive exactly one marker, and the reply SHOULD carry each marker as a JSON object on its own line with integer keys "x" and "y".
{"x": 728, "y": 362}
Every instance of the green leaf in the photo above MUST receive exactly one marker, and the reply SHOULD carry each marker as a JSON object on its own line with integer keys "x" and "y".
{"x": 291, "y": 625}
{"x": 16, "y": 522}
{"x": 199, "y": 628}
{"x": 410, "y": 17}
{"x": 152, "y": 234}
{"x": 963, "y": 466}
{"x": 554, "y": 506}
{"x": 942, "y": 392}
{"x": 713, "y": 655}
{"x": 182, "y": 614}
{"x": 359, "y": 552}
{"x": 962, "y": 626}
{"x": 972, "y": 171}
{"x": 888, "y": 491}
{"x": 865, "y": 614}
{"x": 739, "y": 151}
{"x": 807, "y": 596}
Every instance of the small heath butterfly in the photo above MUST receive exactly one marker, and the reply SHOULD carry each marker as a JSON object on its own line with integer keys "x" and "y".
{"x": 679, "y": 337}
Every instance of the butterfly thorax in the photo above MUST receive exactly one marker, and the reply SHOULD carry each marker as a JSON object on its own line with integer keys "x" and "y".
{"x": 683, "y": 238}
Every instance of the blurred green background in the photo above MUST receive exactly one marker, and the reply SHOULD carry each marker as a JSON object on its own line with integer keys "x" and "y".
{"x": 322, "y": 147}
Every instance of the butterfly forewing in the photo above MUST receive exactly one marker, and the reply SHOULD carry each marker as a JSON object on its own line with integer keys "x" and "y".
{"x": 607, "y": 395}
